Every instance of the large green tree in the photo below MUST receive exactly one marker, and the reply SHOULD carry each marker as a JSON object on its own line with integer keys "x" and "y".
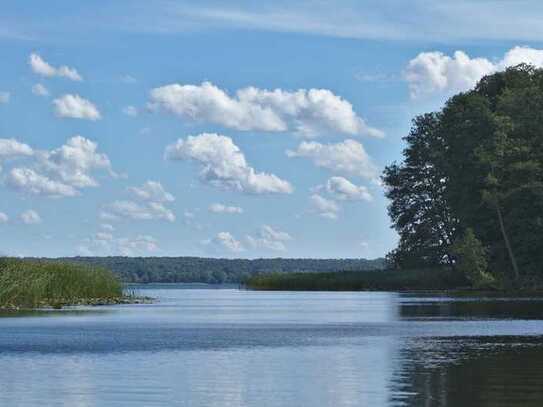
{"x": 416, "y": 189}
{"x": 477, "y": 164}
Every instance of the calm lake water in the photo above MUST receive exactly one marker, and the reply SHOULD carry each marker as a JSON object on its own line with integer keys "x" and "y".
{"x": 226, "y": 347}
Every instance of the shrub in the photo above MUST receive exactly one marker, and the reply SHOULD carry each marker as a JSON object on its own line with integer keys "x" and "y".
{"x": 470, "y": 260}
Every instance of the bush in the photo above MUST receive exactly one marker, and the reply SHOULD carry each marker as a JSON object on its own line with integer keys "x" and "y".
{"x": 470, "y": 260}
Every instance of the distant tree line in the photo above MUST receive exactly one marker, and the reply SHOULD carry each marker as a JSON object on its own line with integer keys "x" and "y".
{"x": 469, "y": 191}
{"x": 214, "y": 271}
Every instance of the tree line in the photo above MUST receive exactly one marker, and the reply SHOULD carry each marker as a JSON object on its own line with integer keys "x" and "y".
{"x": 468, "y": 193}
{"x": 215, "y": 271}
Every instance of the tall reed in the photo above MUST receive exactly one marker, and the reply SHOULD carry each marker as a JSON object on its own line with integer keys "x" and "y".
{"x": 30, "y": 284}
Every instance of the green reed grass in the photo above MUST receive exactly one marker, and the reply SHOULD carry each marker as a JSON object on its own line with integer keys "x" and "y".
{"x": 393, "y": 280}
{"x": 31, "y": 284}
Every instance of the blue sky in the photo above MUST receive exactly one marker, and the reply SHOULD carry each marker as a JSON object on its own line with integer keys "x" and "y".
{"x": 226, "y": 129}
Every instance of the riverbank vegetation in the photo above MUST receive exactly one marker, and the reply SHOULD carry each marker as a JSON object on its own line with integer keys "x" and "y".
{"x": 384, "y": 280}
{"x": 33, "y": 284}
{"x": 468, "y": 194}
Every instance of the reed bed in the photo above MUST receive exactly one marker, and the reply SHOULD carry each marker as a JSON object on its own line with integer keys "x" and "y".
{"x": 381, "y": 280}
{"x": 33, "y": 284}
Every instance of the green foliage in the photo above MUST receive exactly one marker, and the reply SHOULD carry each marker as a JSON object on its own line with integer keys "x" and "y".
{"x": 477, "y": 164}
{"x": 30, "y": 284}
{"x": 213, "y": 271}
{"x": 471, "y": 261}
{"x": 384, "y": 280}
{"x": 419, "y": 209}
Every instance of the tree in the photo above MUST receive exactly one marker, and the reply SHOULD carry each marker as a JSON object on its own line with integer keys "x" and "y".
{"x": 475, "y": 165}
{"x": 416, "y": 189}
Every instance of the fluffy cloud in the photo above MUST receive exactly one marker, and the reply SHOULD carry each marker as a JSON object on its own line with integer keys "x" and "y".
{"x": 152, "y": 191}
{"x": 269, "y": 238}
{"x": 75, "y": 107}
{"x": 30, "y": 217}
{"x": 220, "y": 208}
{"x": 74, "y": 161}
{"x": 40, "y": 90}
{"x": 306, "y": 112}
{"x": 225, "y": 240}
{"x": 4, "y": 97}
{"x": 224, "y": 165}
{"x": 3, "y": 217}
{"x": 40, "y": 67}
{"x": 56, "y": 173}
{"x": 434, "y": 72}
{"x": 29, "y": 181}
{"x": 11, "y": 148}
{"x": 136, "y": 211}
{"x": 342, "y": 189}
{"x": 347, "y": 157}
{"x": 326, "y": 208}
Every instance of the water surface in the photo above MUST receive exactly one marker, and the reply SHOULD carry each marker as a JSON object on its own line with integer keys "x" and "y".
{"x": 229, "y": 347}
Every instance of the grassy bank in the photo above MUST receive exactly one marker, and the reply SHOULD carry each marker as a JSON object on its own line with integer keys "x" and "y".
{"x": 385, "y": 280}
{"x": 32, "y": 284}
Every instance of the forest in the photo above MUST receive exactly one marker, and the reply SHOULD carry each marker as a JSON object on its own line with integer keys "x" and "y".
{"x": 214, "y": 271}
{"x": 468, "y": 194}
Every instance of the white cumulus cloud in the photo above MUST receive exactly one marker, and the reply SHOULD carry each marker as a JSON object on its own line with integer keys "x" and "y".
{"x": 76, "y": 107}
{"x": 30, "y": 217}
{"x": 224, "y": 165}
{"x": 348, "y": 157}
{"x": 221, "y": 208}
{"x": 308, "y": 113}
{"x": 343, "y": 189}
{"x": 40, "y": 67}
{"x": 435, "y": 72}
{"x": 29, "y": 181}
{"x": 269, "y": 238}
{"x": 74, "y": 162}
{"x": 225, "y": 240}
{"x": 324, "y": 207}
{"x": 152, "y": 191}
{"x": 11, "y": 148}
{"x": 136, "y": 211}
{"x": 3, "y": 217}
{"x": 60, "y": 172}
{"x": 40, "y": 90}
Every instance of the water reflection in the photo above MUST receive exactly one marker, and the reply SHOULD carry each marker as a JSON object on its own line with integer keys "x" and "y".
{"x": 240, "y": 348}
{"x": 474, "y": 372}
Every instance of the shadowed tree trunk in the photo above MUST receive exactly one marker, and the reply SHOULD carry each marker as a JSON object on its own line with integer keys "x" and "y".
{"x": 507, "y": 242}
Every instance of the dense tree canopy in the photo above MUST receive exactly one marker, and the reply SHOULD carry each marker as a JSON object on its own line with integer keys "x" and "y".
{"x": 209, "y": 270}
{"x": 477, "y": 165}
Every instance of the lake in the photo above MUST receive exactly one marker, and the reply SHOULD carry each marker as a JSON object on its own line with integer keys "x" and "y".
{"x": 229, "y": 347}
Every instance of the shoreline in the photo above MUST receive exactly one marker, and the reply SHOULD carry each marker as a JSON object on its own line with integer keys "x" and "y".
{"x": 94, "y": 302}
